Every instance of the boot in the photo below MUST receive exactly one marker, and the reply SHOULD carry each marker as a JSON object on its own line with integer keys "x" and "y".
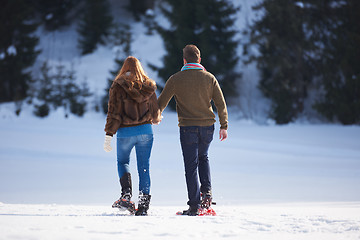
{"x": 126, "y": 185}
{"x": 143, "y": 207}
{"x": 192, "y": 211}
{"x": 206, "y": 199}
{"x": 124, "y": 201}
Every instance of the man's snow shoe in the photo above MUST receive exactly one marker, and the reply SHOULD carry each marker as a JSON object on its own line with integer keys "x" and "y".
{"x": 207, "y": 212}
{"x": 206, "y": 199}
{"x": 192, "y": 211}
{"x": 205, "y": 207}
{"x": 143, "y": 205}
{"x": 200, "y": 212}
{"x": 205, "y": 204}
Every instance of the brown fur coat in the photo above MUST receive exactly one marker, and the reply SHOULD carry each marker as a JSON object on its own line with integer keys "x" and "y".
{"x": 131, "y": 106}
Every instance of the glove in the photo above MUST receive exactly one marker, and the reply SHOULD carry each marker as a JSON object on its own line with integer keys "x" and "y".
{"x": 107, "y": 143}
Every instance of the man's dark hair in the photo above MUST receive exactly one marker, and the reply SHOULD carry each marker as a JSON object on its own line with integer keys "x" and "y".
{"x": 191, "y": 54}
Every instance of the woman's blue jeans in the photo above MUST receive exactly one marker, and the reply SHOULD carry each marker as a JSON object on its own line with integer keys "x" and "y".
{"x": 143, "y": 144}
{"x": 195, "y": 142}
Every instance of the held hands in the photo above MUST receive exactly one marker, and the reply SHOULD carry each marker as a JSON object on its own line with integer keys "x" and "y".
{"x": 107, "y": 143}
{"x": 157, "y": 121}
{"x": 223, "y": 134}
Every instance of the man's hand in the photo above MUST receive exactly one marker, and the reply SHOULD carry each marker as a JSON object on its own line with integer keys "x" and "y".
{"x": 223, "y": 134}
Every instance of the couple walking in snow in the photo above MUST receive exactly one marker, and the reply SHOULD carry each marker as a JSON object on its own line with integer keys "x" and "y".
{"x": 133, "y": 107}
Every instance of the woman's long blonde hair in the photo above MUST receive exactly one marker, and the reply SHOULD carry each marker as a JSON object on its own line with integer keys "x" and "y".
{"x": 133, "y": 72}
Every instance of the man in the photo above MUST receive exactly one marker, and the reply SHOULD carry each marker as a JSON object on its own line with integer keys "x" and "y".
{"x": 194, "y": 88}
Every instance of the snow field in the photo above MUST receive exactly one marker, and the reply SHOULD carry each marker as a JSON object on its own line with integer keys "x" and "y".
{"x": 288, "y": 221}
{"x": 62, "y": 161}
{"x": 270, "y": 182}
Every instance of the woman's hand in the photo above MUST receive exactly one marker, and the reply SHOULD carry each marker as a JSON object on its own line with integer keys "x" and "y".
{"x": 107, "y": 143}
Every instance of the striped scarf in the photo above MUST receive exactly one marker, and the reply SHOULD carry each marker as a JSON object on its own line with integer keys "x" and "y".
{"x": 193, "y": 66}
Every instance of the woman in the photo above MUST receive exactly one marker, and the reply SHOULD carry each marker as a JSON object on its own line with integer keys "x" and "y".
{"x": 132, "y": 108}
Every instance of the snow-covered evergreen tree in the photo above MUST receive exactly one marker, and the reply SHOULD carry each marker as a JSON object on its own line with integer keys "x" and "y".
{"x": 55, "y": 14}
{"x": 95, "y": 25}
{"x": 17, "y": 48}
{"x": 122, "y": 38}
{"x": 337, "y": 31}
{"x": 59, "y": 90}
{"x": 139, "y": 7}
{"x": 309, "y": 45}
{"x": 209, "y": 24}
{"x": 285, "y": 66}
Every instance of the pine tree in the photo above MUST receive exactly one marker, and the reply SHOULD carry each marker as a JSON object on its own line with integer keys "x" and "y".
{"x": 42, "y": 92}
{"x": 337, "y": 29}
{"x": 59, "y": 90}
{"x": 95, "y": 25}
{"x": 68, "y": 94}
{"x": 209, "y": 24}
{"x": 285, "y": 66}
{"x": 122, "y": 39}
{"x": 17, "y": 49}
{"x": 139, "y": 7}
{"x": 54, "y": 14}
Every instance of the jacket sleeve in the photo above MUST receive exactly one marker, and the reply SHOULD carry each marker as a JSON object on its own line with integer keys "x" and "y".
{"x": 166, "y": 94}
{"x": 220, "y": 105}
{"x": 113, "y": 119}
{"x": 154, "y": 109}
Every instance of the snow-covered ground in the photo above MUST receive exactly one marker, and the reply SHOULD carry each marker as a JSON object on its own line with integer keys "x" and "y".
{"x": 297, "y": 181}
{"x": 280, "y": 222}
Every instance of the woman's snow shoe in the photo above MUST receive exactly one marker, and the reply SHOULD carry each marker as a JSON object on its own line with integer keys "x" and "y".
{"x": 125, "y": 203}
{"x": 143, "y": 206}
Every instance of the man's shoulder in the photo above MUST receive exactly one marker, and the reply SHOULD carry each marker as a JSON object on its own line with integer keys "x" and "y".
{"x": 176, "y": 75}
{"x": 208, "y": 74}
{"x": 189, "y": 73}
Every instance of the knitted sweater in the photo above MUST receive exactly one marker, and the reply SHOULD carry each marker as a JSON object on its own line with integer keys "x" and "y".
{"x": 193, "y": 91}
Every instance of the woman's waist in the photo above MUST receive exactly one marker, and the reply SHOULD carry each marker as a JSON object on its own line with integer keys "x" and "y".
{"x": 134, "y": 129}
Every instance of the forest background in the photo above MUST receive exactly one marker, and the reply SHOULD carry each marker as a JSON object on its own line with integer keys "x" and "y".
{"x": 276, "y": 60}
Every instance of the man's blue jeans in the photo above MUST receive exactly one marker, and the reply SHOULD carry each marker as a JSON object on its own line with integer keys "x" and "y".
{"x": 143, "y": 144}
{"x": 195, "y": 142}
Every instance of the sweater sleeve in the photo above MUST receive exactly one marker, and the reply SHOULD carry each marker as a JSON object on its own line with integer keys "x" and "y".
{"x": 220, "y": 105}
{"x": 113, "y": 119}
{"x": 166, "y": 94}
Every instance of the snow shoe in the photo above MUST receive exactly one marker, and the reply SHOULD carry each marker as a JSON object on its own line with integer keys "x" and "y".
{"x": 143, "y": 205}
{"x": 192, "y": 211}
{"x": 125, "y": 203}
{"x": 206, "y": 199}
{"x": 207, "y": 212}
{"x": 205, "y": 204}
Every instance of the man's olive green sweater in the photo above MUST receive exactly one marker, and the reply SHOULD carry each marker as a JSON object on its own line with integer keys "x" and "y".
{"x": 193, "y": 90}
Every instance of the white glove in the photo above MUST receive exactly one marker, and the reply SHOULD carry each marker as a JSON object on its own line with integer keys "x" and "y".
{"x": 107, "y": 143}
